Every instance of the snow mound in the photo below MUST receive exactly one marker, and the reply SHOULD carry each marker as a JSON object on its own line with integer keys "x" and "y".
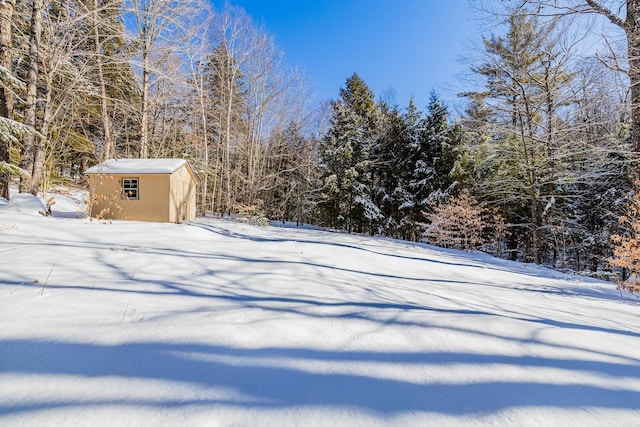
{"x": 27, "y": 204}
{"x": 59, "y": 202}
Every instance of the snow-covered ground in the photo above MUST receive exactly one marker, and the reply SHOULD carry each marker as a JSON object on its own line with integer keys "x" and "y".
{"x": 219, "y": 323}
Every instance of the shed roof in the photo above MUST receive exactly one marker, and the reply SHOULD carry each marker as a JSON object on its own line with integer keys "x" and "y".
{"x": 143, "y": 166}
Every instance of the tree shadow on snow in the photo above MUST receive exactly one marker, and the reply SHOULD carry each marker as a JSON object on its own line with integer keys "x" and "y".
{"x": 480, "y": 260}
{"x": 281, "y": 378}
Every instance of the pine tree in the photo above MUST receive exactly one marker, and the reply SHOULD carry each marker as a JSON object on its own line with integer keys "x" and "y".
{"x": 346, "y": 199}
{"x": 94, "y": 106}
{"x": 389, "y": 189}
{"x": 413, "y": 156}
{"x": 360, "y": 99}
{"x": 524, "y": 163}
{"x": 431, "y": 161}
{"x": 444, "y": 147}
{"x": 112, "y": 77}
{"x": 341, "y": 166}
{"x": 624, "y": 14}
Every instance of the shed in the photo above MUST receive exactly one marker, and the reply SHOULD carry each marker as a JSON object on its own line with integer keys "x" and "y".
{"x": 161, "y": 190}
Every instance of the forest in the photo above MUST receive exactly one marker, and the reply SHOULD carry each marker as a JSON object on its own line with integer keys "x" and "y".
{"x": 541, "y": 166}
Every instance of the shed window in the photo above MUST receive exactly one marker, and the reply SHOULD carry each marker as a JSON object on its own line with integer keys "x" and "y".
{"x": 130, "y": 188}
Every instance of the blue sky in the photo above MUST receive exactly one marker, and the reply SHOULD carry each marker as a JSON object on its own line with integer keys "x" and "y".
{"x": 405, "y": 47}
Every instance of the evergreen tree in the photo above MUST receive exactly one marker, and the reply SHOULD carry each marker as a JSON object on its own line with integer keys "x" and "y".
{"x": 341, "y": 167}
{"x": 415, "y": 160}
{"x": 431, "y": 161}
{"x": 388, "y": 188}
{"x": 625, "y": 15}
{"x": 411, "y": 149}
{"x": 360, "y": 99}
{"x": 346, "y": 199}
{"x": 445, "y": 148}
{"x": 523, "y": 167}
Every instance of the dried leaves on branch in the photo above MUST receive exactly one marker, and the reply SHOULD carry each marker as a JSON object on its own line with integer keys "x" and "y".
{"x": 458, "y": 223}
{"x": 626, "y": 248}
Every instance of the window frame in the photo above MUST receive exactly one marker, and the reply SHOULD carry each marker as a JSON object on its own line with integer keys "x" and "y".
{"x": 126, "y": 192}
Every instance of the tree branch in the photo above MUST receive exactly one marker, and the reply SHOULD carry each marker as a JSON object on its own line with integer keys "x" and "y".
{"x": 615, "y": 19}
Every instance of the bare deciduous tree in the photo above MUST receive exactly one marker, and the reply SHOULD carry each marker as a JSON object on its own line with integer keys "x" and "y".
{"x": 31, "y": 145}
{"x": 159, "y": 29}
{"x": 6, "y": 95}
{"x": 623, "y": 14}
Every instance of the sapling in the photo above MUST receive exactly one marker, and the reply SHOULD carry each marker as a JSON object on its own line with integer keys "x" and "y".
{"x": 44, "y": 285}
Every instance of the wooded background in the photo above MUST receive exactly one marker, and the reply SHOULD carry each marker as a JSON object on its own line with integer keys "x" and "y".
{"x": 540, "y": 167}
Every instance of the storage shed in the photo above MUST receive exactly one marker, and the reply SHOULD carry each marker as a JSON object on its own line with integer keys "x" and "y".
{"x": 161, "y": 190}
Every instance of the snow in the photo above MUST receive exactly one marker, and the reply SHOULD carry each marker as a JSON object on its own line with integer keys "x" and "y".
{"x": 219, "y": 323}
{"x": 144, "y": 166}
{"x": 26, "y": 204}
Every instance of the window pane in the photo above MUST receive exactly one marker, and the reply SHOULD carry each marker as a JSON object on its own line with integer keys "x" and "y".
{"x": 130, "y": 188}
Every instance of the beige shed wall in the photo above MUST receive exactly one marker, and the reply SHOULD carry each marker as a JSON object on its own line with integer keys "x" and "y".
{"x": 152, "y": 205}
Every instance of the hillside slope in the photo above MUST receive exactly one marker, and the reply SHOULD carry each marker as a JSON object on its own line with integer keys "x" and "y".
{"x": 219, "y": 323}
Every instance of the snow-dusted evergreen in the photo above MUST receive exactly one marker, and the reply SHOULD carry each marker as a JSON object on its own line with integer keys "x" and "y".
{"x": 346, "y": 192}
{"x": 11, "y": 134}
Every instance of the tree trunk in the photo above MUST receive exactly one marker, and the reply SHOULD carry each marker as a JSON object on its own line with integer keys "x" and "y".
{"x": 39, "y": 147}
{"x": 631, "y": 26}
{"x": 29, "y": 142}
{"x": 144, "y": 121}
{"x": 107, "y": 144}
{"x": 632, "y": 29}
{"x": 227, "y": 130}
{"x": 205, "y": 144}
{"x": 6, "y": 97}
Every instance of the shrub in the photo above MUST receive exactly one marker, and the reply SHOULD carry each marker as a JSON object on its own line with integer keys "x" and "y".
{"x": 457, "y": 223}
{"x": 626, "y": 250}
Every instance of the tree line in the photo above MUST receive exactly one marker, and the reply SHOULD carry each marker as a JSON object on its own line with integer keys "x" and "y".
{"x": 539, "y": 167}
{"x": 88, "y": 80}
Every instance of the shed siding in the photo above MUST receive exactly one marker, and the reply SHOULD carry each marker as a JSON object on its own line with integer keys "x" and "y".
{"x": 152, "y": 204}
